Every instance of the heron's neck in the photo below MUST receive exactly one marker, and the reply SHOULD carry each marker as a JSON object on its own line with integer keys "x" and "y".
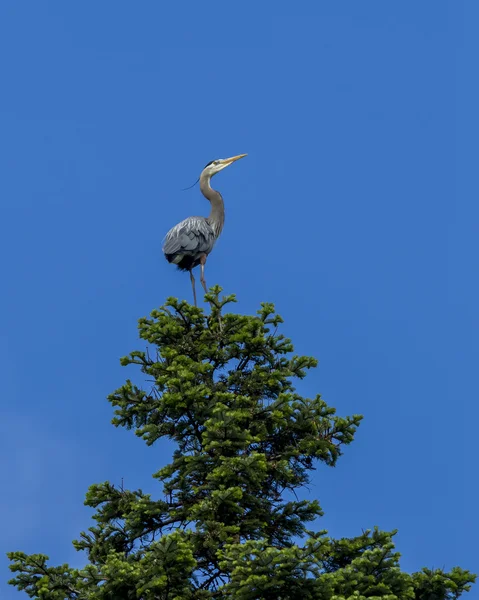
{"x": 217, "y": 214}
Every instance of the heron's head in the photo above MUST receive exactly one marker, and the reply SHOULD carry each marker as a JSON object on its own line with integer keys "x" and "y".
{"x": 215, "y": 166}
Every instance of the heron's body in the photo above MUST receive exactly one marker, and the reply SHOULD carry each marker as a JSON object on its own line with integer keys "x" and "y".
{"x": 188, "y": 244}
{"x": 188, "y": 241}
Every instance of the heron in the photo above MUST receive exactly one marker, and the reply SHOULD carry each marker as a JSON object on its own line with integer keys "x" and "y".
{"x": 189, "y": 243}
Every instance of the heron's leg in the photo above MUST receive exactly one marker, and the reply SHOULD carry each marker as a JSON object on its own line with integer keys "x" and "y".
{"x": 203, "y": 283}
{"x": 202, "y": 278}
{"x": 193, "y": 285}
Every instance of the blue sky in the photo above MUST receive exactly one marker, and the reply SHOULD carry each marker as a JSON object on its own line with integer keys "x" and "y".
{"x": 355, "y": 212}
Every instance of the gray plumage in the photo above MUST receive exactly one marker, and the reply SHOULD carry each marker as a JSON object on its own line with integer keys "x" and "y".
{"x": 189, "y": 243}
{"x": 186, "y": 242}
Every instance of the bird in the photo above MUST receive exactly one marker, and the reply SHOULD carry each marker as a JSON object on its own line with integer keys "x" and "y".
{"x": 189, "y": 243}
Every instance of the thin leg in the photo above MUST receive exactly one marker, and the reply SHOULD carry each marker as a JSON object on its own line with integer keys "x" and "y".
{"x": 193, "y": 286}
{"x": 202, "y": 278}
{"x": 203, "y": 283}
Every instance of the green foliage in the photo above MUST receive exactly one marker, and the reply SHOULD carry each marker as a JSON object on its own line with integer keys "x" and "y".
{"x": 221, "y": 388}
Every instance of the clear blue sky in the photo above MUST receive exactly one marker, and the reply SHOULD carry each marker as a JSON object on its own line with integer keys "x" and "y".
{"x": 355, "y": 211}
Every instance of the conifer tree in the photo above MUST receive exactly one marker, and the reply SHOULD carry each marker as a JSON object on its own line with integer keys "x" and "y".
{"x": 227, "y": 523}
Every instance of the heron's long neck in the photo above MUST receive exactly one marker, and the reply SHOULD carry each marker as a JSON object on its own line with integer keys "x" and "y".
{"x": 217, "y": 214}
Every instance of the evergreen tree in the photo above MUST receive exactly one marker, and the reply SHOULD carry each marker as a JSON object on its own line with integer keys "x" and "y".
{"x": 225, "y": 528}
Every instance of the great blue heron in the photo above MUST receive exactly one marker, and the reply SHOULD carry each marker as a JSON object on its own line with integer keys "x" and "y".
{"x": 188, "y": 244}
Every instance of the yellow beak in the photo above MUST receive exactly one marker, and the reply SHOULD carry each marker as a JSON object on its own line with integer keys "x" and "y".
{"x": 229, "y": 161}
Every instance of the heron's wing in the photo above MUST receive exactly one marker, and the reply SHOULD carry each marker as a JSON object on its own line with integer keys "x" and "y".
{"x": 192, "y": 236}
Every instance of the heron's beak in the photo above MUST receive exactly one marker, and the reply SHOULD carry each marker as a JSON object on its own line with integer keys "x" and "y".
{"x": 229, "y": 161}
